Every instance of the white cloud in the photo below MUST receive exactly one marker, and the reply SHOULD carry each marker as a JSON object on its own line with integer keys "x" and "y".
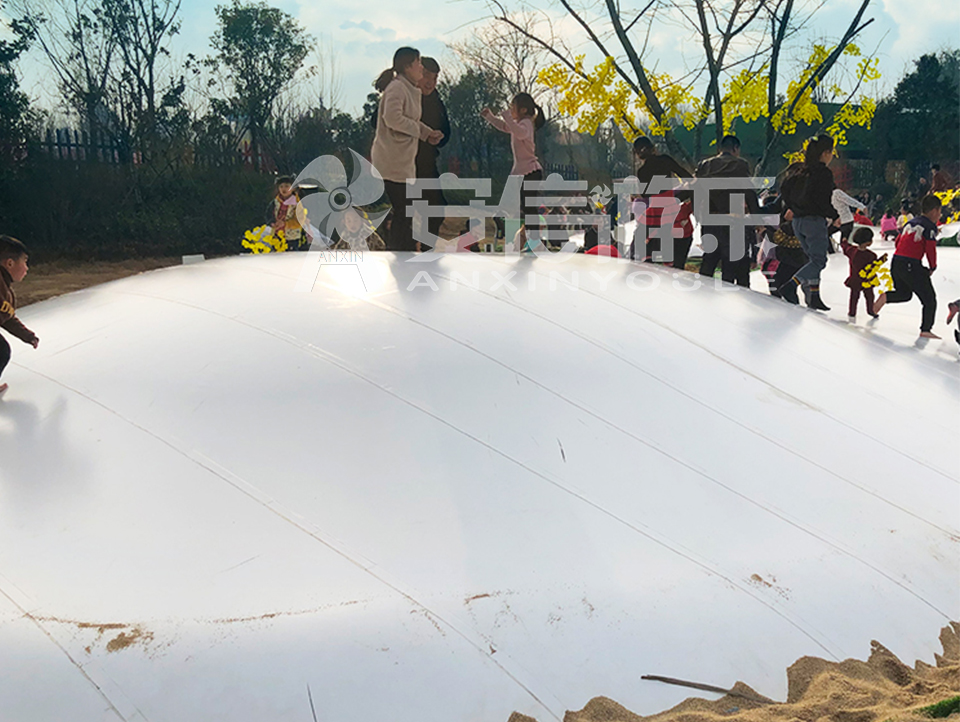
{"x": 922, "y": 26}
{"x": 382, "y": 33}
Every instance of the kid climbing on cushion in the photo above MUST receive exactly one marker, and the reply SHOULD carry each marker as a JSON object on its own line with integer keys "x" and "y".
{"x": 888, "y": 226}
{"x": 13, "y": 268}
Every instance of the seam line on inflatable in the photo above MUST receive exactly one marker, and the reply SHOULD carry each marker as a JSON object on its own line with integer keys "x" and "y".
{"x": 753, "y": 375}
{"x": 710, "y": 407}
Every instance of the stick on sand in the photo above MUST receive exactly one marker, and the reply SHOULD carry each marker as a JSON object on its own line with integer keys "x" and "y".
{"x": 706, "y": 688}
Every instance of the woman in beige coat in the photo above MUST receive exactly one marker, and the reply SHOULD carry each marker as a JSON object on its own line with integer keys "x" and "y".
{"x": 399, "y": 131}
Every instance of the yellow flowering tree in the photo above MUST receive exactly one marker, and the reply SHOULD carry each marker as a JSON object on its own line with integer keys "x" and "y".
{"x": 946, "y": 198}
{"x": 742, "y": 42}
{"x": 595, "y": 96}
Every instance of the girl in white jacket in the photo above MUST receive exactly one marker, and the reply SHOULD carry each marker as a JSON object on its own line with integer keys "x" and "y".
{"x": 843, "y": 203}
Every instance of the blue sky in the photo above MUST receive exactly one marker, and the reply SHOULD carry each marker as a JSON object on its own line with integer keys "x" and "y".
{"x": 364, "y": 34}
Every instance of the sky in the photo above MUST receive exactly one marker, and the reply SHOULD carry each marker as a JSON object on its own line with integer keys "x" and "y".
{"x": 361, "y": 35}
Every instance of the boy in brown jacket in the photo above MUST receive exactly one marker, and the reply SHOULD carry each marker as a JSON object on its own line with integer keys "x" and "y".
{"x": 13, "y": 267}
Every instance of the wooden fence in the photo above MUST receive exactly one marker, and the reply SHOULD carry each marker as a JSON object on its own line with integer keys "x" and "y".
{"x": 66, "y": 144}
{"x": 80, "y": 146}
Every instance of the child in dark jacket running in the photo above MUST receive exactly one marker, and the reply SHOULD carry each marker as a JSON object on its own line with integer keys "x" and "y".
{"x": 13, "y": 268}
{"x": 861, "y": 261}
{"x": 917, "y": 239}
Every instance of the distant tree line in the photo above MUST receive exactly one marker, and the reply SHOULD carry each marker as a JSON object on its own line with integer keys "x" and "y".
{"x": 197, "y": 140}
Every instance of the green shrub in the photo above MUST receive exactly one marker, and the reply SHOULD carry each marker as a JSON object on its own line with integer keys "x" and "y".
{"x": 944, "y": 708}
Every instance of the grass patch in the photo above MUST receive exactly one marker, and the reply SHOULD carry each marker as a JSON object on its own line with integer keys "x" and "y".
{"x": 944, "y": 708}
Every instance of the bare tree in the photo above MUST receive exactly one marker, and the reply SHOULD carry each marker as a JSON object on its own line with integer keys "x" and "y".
{"x": 79, "y": 42}
{"x": 726, "y": 24}
{"x": 326, "y": 78}
{"x": 512, "y": 55}
{"x": 630, "y": 69}
{"x": 143, "y": 28}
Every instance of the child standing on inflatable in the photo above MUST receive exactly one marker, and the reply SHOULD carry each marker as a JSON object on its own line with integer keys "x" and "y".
{"x": 809, "y": 195}
{"x": 917, "y": 239}
{"x": 282, "y": 213}
{"x": 13, "y": 268}
{"x": 521, "y": 120}
{"x": 861, "y": 258}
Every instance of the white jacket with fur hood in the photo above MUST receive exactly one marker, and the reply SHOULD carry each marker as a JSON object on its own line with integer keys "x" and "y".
{"x": 399, "y": 129}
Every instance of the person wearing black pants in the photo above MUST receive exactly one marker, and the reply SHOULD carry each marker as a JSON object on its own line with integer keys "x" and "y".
{"x": 910, "y": 277}
{"x": 434, "y": 115}
{"x": 808, "y": 194}
{"x": 4, "y": 354}
{"x": 525, "y": 195}
{"x": 651, "y": 165}
{"x": 789, "y": 261}
{"x": 727, "y": 164}
{"x": 732, "y": 270}
{"x": 917, "y": 239}
{"x": 400, "y": 237}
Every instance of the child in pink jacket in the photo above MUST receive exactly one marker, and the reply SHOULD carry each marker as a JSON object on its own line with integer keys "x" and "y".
{"x": 521, "y": 120}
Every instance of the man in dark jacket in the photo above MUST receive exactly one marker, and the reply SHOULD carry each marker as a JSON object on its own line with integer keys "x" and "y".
{"x": 734, "y": 268}
{"x": 433, "y": 114}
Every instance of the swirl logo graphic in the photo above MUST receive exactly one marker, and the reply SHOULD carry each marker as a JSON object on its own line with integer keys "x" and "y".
{"x": 600, "y": 196}
{"x": 334, "y": 209}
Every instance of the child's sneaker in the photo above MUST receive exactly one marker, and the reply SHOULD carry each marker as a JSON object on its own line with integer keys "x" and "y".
{"x": 852, "y": 319}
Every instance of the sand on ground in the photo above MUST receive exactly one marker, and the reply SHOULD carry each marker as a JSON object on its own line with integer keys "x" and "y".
{"x": 881, "y": 689}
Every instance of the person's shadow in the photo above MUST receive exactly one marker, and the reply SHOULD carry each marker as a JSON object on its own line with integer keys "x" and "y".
{"x": 37, "y": 464}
